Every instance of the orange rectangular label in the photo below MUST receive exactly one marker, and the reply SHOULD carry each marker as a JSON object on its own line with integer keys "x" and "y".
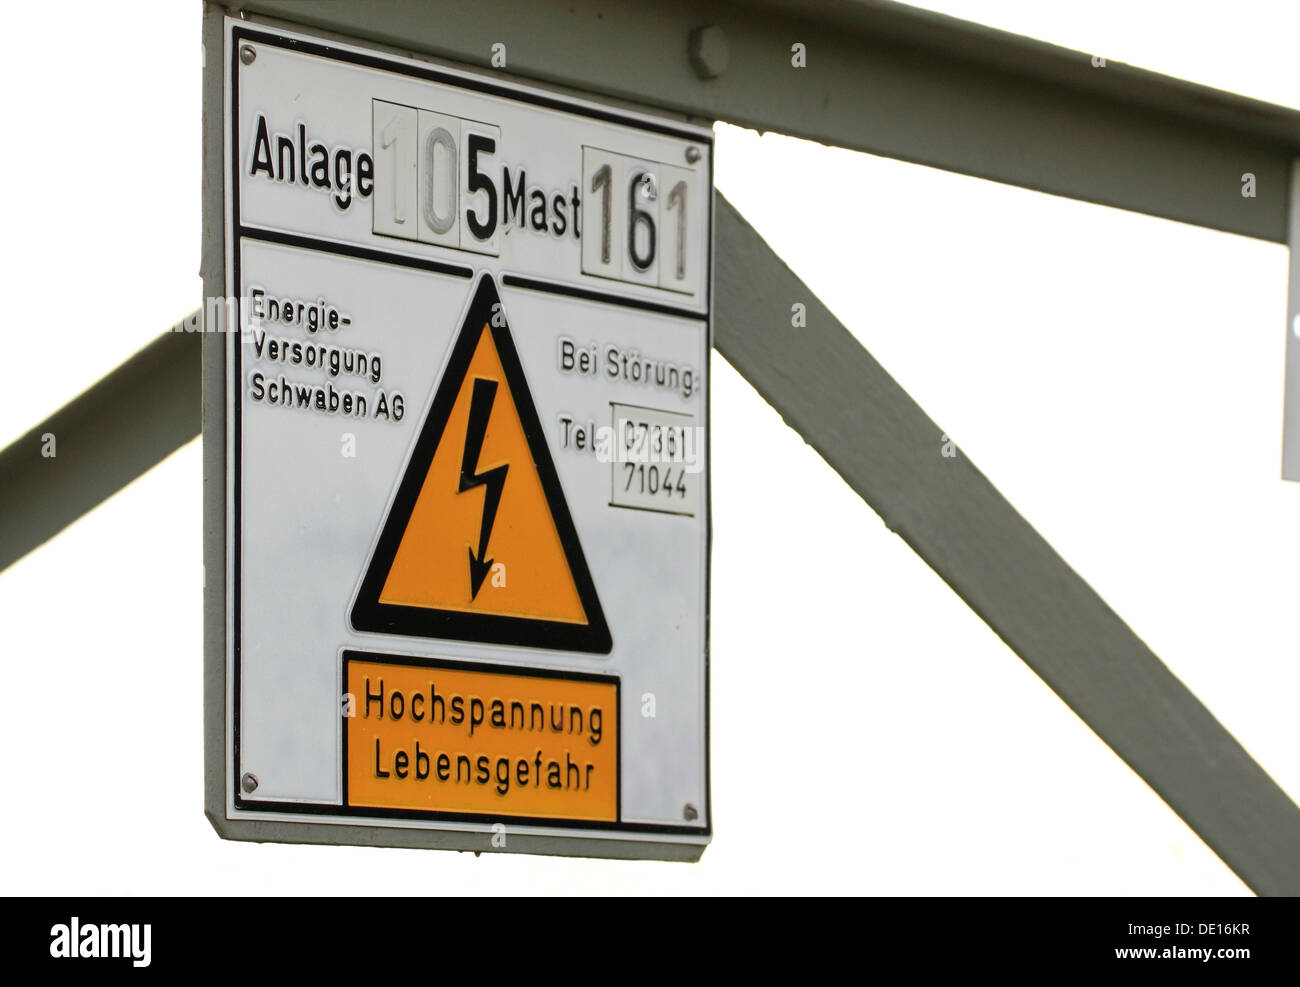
{"x": 443, "y": 737}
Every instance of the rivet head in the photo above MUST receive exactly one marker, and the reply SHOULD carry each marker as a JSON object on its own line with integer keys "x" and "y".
{"x": 710, "y": 51}
{"x": 248, "y": 782}
{"x": 690, "y": 813}
{"x": 692, "y": 154}
{"x": 247, "y": 54}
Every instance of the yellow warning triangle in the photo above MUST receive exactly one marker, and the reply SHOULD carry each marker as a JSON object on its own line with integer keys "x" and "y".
{"x": 478, "y": 544}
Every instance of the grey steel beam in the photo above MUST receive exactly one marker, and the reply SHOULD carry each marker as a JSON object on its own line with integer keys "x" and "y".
{"x": 102, "y": 440}
{"x": 828, "y": 388}
{"x": 1291, "y": 404}
{"x": 884, "y": 78}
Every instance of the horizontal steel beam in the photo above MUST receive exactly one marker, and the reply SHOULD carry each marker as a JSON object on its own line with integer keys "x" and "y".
{"x": 884, "y": 78}
{"x": 99, "y": 442}
{"x": 834, "y": 394}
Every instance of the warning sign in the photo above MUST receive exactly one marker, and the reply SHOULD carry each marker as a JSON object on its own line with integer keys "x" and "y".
{"x": 458, "y": 444}
{"x": 454, "y": 738}
{"x": 478, "y": 543}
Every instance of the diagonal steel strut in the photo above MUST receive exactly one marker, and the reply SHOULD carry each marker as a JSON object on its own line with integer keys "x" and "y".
{"x": 828, "y": 388}
{"x": 125, "y": 424}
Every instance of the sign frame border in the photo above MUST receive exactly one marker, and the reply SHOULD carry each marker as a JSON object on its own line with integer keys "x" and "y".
{"x": 221, "y": 767}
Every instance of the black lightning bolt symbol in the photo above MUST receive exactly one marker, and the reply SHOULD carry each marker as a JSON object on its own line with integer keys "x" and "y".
{"x": 480, "y": 409}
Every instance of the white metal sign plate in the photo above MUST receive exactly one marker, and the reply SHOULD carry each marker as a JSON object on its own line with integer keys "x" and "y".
{"x": 467, "y": 501}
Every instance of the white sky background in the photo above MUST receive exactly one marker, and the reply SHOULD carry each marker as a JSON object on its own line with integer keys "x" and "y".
{"x": 1118, "y": 377}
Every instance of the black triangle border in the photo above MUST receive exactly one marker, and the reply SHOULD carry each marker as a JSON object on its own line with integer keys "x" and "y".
{"x": 369, "y": 614}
